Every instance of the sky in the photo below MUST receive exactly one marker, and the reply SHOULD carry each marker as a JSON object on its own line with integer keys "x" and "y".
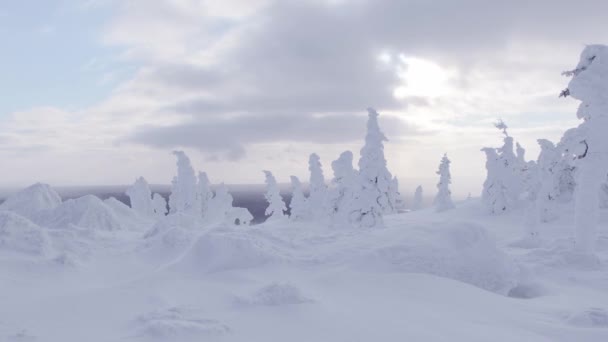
{"x": 98, "y": 92}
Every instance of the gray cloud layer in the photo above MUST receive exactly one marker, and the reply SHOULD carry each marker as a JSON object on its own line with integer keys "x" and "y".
{"x": 228, "y": 137}
{"x": 294, "y": 60}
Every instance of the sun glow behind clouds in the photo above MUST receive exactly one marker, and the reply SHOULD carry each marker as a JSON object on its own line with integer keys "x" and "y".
{"x": 421, "y": 77}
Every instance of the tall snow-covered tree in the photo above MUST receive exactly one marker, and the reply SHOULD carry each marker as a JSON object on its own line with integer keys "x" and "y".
{"x": 589, "y": 84}
{"x": 221, "y": 204}
{"x": 343, "y": 188}
{"x": 417, "y": 202}
{"x": 204, "y": 193}
{"x": 298, "y": 207}
{"x": 276, "y": 206}
{"x": 317, "y": 198}
{"x": 548, "y": 191}
{"x": 183, "y": 190}
{"x": 159, "y": 204}
{"x": 373, "y": 200}
{"x": 504, "y": 184}
{"x": 443, "y": 199}
{"x": 140, "y": 196}
{"x": 494, "y": 194}
{"x": 394, "y": 196}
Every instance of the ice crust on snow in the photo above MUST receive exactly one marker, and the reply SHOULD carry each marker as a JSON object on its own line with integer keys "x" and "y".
{"x": 275, "y": 294}
{"x": 176, "y": 323}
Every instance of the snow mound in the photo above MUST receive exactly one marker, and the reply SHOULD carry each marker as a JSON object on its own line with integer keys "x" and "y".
{"x": 31, "y": 200}
{"x": 120, "y": 209}
{"x": 85, "y": 212}
{"x": 229, "y": 249}
{"x": 273, "y": 295}
{"x": 590, "y": 318}
{"x": 460, "y": 251}
{"x": 19, "y": 235}
{"x": 22, "y": 336}
{"x": 176, "y": 323}
{"x": 170, "y": 237}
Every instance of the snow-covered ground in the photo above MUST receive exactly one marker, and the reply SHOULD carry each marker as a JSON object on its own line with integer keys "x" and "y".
{"x": 92, "y": 270}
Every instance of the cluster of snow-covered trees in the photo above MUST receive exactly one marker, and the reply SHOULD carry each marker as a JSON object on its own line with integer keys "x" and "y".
{"x": 357, "y": 197}
{"x": 574, "y": 169}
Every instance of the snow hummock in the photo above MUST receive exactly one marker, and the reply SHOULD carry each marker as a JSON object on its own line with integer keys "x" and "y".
{"x": 85, "y": 212}
{"x": 31, "y": 200}
{"x": 21, "y": 236}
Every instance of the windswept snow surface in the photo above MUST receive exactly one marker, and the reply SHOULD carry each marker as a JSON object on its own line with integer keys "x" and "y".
{"x": 97, "y": 271}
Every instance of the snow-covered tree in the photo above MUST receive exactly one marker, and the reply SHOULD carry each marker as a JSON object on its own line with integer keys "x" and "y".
{"x": 159, "y": 204}
{"x": 443, "y": 199}
{"x": 589, "y": 84}
{"x": 276, "y": 206}
{"x": 317, "y": 198}
{"x": 548, "y": 191}
{"x": 140, "y": 196}
{"x": 394, "y": 195}
{"x": 417, "y": 202}
{"x": 343, "y": 188}
{"x": 373, "y": 200}
{"x": 531, "y": 182}
{"x": 204, "y": 193}
{"x": 504, "y": 184}
{"x": 221, "y": 204}
{"x": 494, "y": 194}
{"x": 299, "y": 209}
{"x": 183, "y": 190}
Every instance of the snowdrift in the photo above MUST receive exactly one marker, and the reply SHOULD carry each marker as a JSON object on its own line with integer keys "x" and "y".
{"x": 461, "y": 251}
{"x": 225, "y": 249}
{"x": 84, "y": 212}
{"x": 18, "y": 235}
{"x": 32, "y": 200}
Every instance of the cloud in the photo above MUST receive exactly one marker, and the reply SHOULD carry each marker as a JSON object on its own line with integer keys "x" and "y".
{"x": 225, "y": 77}
{"x": 228, "y": 137}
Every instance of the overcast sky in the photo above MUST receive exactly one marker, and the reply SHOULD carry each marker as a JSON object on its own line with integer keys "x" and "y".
{"x": 100, "y": 91}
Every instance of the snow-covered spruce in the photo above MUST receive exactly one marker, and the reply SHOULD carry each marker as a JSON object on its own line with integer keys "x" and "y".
{"x": 443, "y": 199}
{"x": 417, "y": 201}
{"x": 276, "y": 206}
{"x": 221, "y": 204}
{"x": 494, "y": 193}
{"x": 548, "y": 159}
{"x": 344, "y": 186}
{"x": 317, "y": 197}
{"x": 505, "y": 173}
{"x": 372, "y": 199}
{"x": 204, "y": 193}
{"x": 299, "y": 206}
{"x": 589, "y": 84}
{"x": 183, "y": 187}
{"x": 140, "y": 197}
{"x": 159, "y": 205}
